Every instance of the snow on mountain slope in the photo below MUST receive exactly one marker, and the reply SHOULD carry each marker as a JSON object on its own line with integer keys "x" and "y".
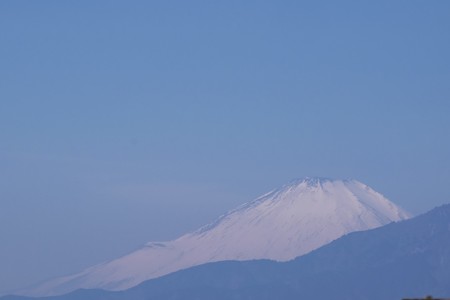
{"x": 285, "y": 223}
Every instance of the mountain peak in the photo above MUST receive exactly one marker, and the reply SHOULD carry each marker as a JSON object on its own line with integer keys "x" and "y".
{"x": 311, "y": 181}
{"x": 317, "y": 182}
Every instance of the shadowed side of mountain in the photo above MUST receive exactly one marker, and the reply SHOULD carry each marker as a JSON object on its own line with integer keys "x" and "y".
{"x": 406, "y": 259}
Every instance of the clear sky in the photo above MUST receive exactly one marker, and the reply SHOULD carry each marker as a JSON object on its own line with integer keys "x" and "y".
{"x": 128, "y": 121}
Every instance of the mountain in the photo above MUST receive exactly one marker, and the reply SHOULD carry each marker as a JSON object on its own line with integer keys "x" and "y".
{"x": 285, "y": 223}
{"x": 408, "y": 259}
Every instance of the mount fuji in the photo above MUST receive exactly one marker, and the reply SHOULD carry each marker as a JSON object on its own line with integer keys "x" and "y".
{"x": 285, "y": 223}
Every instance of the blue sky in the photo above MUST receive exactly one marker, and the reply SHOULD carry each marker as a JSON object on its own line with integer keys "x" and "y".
{"x": 128, "y": 121}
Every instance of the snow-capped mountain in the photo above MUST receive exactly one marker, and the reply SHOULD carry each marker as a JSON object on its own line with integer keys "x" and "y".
{"x": 285, "y": 223}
